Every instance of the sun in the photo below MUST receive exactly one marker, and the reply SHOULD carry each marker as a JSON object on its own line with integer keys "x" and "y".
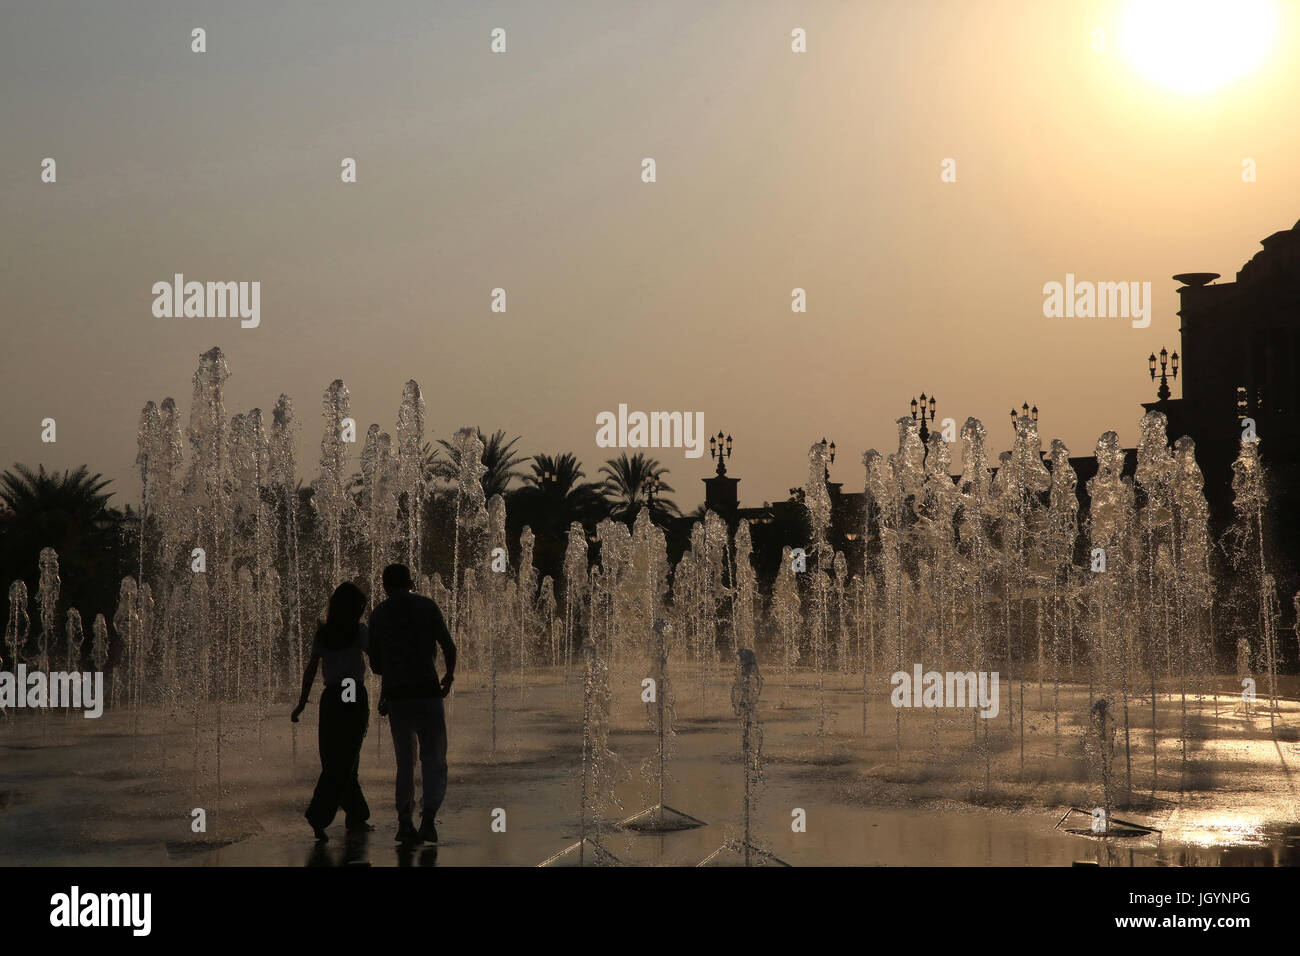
{"x": 1195, "y": 46}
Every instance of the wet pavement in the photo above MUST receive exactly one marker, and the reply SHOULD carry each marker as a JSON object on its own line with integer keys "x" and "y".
{"x": 92, "y": 793}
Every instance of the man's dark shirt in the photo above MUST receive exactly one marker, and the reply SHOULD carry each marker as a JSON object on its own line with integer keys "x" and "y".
{"x": 405, "y": 633}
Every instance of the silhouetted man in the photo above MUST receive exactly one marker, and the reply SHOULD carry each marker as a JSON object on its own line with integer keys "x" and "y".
{"x": 405, "y": 633}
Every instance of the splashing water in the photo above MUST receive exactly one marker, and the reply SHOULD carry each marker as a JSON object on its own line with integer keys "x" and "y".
{"x": 978, "y": 574}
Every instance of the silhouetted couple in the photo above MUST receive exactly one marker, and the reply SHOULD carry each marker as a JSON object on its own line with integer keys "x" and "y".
{"x": 402, "y": 642}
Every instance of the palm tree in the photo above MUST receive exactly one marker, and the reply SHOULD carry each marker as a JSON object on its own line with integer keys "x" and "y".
{"x": 550, "y": 499}
{"x": 431, "y": 461}
{"x": 69, "y": 513}
{"x": 628, "y": 482}
{"x": 46, "y": 504}
{"x": 556, "y": 491}
{"x": 499, "y": 457}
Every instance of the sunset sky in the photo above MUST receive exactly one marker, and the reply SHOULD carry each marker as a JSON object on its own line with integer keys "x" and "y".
{"x": 522, "y": 170}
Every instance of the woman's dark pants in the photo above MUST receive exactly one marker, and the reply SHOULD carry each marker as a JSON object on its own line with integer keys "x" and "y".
{"x": 342, "y": 731}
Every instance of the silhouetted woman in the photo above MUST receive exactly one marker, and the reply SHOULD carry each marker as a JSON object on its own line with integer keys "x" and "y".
{"x": 344, "y": 711}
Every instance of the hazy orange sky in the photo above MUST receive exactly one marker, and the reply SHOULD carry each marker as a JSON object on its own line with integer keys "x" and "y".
{"x": 522, "y": 170}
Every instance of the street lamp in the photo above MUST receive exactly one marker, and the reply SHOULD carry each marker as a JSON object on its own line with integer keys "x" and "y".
{"x": 831, "y": 457}
{"x": 1163, "y": 393}
{"x": 652, "y": 486}
{"x": 720, "y": 449}
{"x": 1024, "y": 410}
{"x": 924, "y": 411}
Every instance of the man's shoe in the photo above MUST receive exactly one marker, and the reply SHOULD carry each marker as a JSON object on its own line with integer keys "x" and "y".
{"x": 428, "y": 832}
{"x": 406, "y": 832}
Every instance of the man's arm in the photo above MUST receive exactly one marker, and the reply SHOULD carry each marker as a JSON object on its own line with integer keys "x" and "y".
{"x": 443, "y": 637}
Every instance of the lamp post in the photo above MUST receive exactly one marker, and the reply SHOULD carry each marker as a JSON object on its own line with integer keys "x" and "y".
{"x": 1024, "y": 410}
{"x": 720, "y": 449}
{"x": 720, "y": 490}
{"x": 926, "y": 410}
{"x": 830, "y": 458}
{"x": 652, "y": 486}
{"x": 1163, "y": 393}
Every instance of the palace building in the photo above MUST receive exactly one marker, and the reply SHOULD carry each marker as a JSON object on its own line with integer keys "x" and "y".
{"x": 1238, "y": 365}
